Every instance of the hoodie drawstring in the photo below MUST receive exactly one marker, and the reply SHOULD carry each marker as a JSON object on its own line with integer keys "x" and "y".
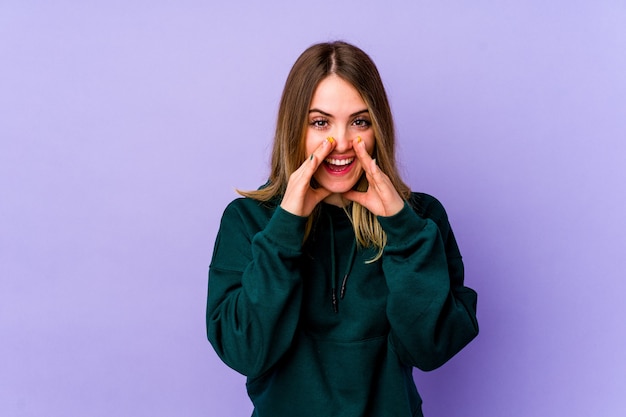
{"x": 345, "y": 277}
{"x": 333, "y": 262}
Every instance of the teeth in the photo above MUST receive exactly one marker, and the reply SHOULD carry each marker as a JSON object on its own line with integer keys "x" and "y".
{"x": 339, "y": 161}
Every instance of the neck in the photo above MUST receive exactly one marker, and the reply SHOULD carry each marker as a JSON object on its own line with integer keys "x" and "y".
{"x": 336, "y": 200}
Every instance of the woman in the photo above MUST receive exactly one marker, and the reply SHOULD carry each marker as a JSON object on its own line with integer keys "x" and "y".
{"x": 333, "y": 280}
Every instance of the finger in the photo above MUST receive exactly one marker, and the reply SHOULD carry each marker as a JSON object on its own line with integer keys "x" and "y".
{"x": 358, "y": 197}
{"x": 321, "y": 152}
{"x": 361, "y": 153}
{"x": 306, "y": 170}
{"x": 380, "y": 181}
{"x": 386, "y": 192}
{"x": 299, "y": 196}
{"x": 320, "y": 194}
{"x": 376, "y": 176}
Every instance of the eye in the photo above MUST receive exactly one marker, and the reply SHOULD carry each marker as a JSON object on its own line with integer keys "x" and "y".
{"x": 362, "y": 122}
{"x": 319, "y": 123}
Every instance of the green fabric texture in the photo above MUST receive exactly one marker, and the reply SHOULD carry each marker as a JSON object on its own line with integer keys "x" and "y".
{"x": 271, "y": 315}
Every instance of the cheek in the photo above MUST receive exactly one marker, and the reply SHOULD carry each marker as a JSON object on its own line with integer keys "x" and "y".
{"x": 309, "y": 145}
{"x": 370, "y": 145}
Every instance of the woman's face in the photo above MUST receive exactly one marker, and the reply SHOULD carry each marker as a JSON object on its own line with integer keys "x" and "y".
{"x": 338, "y": 110}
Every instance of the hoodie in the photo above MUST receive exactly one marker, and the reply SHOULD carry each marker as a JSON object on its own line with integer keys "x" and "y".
{"x": 320, "y": 329}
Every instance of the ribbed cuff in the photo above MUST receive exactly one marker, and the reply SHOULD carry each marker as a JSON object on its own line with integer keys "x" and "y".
{"x": 402, "y": 227}
{"x": 286, "y": 229}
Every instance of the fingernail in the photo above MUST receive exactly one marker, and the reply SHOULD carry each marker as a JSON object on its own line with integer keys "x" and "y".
{"x": 358, "y": 139}
{"x": 330, "y": 139}
{"x": 375, "y": 162}
{"x": 311, "y": 157}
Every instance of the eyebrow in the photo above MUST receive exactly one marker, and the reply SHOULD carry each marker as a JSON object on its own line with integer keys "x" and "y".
{"x": 330, "y": 115}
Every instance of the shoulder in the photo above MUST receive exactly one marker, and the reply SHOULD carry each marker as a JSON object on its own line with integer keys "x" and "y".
{"x": 427, "y": 206}
{"x": 254, "y": 202}
{"x": 249, "y": 212}
{"x": 250, "y": 204}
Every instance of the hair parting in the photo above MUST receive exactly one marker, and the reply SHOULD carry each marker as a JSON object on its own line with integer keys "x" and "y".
{"x": 357, "y": 68}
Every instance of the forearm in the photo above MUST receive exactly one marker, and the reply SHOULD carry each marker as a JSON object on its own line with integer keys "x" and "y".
{"x": 432, "y": 315}
{"x": 254, "y": 303}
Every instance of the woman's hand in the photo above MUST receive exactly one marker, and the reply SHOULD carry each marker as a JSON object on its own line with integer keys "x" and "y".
{"x": 381, "y": 198}
{"x": 300, "y": 198}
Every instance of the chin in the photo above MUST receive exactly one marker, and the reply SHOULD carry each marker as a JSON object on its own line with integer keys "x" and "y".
{"x": 336, "y": 188}
{"x": 336, "y": 185}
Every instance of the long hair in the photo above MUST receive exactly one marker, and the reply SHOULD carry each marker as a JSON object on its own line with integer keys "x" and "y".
{"x": 357, "y": 68}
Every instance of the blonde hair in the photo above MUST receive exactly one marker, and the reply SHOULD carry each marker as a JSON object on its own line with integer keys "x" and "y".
{"x": 357, "y": 68}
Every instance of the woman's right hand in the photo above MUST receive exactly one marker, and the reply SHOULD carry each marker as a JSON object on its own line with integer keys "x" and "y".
{"x": 300, "y": 198}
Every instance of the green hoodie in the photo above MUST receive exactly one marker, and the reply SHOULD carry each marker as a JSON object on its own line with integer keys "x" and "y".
{"x": 320, "y": 331}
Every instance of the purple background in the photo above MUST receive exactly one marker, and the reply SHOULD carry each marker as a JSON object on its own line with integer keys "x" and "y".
{"x": 125, "y": 127}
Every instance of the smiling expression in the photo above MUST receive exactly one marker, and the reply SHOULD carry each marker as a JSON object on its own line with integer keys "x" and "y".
{"x": 338, "y": 110}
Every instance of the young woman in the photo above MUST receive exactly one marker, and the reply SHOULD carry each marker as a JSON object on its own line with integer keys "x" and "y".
{"x": 332, "y": 281}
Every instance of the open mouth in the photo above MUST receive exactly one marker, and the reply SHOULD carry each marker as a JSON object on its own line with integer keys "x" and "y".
{"x": 338, "y": 165}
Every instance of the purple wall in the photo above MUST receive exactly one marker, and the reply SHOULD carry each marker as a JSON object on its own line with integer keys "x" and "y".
{"x": 125, "y": 127}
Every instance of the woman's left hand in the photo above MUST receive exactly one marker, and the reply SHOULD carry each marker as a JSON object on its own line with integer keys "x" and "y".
{"x": 381, "y": 198}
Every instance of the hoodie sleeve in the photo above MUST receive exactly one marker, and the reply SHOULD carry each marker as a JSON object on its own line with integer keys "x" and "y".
{"x": 255, "y": 289}
{"x": 431, "y": 313}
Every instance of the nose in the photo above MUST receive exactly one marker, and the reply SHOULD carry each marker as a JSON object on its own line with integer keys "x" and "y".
{"x": 344, "y": 142}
